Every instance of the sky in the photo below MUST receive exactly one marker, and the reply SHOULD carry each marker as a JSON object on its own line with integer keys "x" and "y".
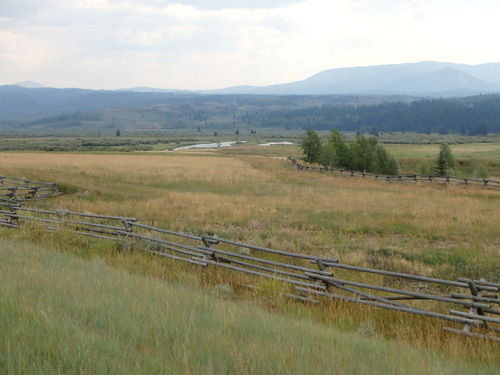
{"x": 211, "y": 44}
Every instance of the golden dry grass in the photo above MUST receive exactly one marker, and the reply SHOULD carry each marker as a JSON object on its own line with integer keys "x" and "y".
{"x": 429, "y": 230}
{"x": 247, "y": 196}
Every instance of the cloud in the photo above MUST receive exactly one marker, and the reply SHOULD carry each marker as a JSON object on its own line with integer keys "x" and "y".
{"x": 233, "y": 4}
{"x": 25, "y": 52}
{"x": 417, "y": 9}
{"x": 218, "y": 43}
{"x": 19, "y": 8}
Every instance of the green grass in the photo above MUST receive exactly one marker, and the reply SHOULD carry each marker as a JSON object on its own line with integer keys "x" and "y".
{"x": 62, "y": 314}
{"x": 419, "y": 229}
{"x": 461, "y": 151}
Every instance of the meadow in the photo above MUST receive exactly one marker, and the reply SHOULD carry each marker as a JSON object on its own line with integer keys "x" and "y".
{"x": 61, "y": 314}
{"x": 252, "y": 194}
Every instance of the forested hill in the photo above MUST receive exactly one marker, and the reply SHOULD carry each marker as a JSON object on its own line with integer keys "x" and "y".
{"x": 479, "y": 115}
{"x": 33, "y": 103}
{"x": 48, "y": 108}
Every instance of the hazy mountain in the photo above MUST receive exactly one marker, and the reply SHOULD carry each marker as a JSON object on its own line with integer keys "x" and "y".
{"x": 422, "y": 79}
{"x": 425, "y": 79}
{"x": 444, "y": 80}
{"x": 28, "y": 84}
{"x": 152, "y": 89}
{"x": 21, "y": 103}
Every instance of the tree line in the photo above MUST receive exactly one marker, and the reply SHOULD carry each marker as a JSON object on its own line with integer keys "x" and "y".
{"x": 478, "y": 115}
{"x": 42, "y": 108}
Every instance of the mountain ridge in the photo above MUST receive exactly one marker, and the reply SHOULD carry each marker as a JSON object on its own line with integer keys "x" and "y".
{"x": 388, "y": 79}
{"x": 428, "y": 79}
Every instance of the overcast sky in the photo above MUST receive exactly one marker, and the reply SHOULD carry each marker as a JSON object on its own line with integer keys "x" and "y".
{"x": 208, "y": 44}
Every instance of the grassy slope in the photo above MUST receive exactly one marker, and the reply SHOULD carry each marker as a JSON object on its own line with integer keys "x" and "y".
{"x": 422, "y": 229}
{"x": 60, "y": 314}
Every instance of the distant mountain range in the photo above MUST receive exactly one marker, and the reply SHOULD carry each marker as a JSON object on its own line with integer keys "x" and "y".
{"x": 30, "y": 99}
{"x": 28, "y": 84}
{"x": 415, "y": 79}
{"x": 428, "y": 78}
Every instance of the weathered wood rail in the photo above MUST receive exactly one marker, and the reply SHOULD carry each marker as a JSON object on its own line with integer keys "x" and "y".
{"x": 446, "y": 180}
{"x": 13, "y": 189}
{"x": 309, "y": 278}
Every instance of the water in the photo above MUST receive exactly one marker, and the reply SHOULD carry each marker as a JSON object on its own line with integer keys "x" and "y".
{"x": 207, "y": 145}
{"x": 277, "y": 143}
{"x": 225, "y": 144}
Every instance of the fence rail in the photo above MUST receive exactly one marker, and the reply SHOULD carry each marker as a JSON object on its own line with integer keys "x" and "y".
{"x": 443, "y": 180}
{"x": 13, "y": 189}
{"x": 311, "y": 278}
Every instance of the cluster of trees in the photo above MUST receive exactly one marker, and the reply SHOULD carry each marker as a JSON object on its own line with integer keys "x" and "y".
{"x": 365, "y": 154}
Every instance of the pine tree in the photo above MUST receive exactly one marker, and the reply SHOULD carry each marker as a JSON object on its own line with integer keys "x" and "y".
{"x": 441, "y": 167}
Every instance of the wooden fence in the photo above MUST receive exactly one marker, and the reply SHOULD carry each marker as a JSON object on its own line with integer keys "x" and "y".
{"x": 414, "y": 178}
{"x": 13, "y": 189}
{"x": 471, "y": 305}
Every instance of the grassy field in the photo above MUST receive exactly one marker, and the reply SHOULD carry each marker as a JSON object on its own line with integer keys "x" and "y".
{"x": 460, "y": 151}
{"x": 279, "y": 206}
{"x": 254, "y": 195}
{"x": 64, "y": 315}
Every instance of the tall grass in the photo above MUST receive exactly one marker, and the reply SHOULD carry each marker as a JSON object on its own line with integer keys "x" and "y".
{"x": 61, "y": 314}
{"x": 429, "y": 230}
{"x": 267, "y": 202}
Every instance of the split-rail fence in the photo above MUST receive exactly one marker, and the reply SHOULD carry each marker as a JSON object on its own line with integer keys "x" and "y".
{"x": 414, "y": 178}
{"x": 471, "y": 306}
{"x": 13, "y": 189}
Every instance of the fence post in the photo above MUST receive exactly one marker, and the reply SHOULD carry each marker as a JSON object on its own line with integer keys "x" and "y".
{"x": 13, "y": 194}
{"x": 210, "y": 244}
{"x": 322, "y": 267}
{"x": 474, "y": 310}
{"x": 14, "y": 217}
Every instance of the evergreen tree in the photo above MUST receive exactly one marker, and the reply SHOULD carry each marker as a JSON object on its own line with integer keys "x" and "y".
{"x": 441, "y": 167}
{"x": 311, "y": 147}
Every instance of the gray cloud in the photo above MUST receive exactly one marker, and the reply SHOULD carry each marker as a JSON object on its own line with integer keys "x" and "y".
{"x": 19, "y": 8}
{"x": 217, "y": 43}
